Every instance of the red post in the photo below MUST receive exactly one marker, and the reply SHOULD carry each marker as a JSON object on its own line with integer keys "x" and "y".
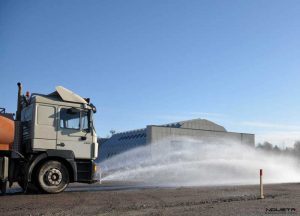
{"x": 261, "y": 184}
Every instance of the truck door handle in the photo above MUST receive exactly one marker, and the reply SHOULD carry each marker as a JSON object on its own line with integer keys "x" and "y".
{"x": 61, "y": 144}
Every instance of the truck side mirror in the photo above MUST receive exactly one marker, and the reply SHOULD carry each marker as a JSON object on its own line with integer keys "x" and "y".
{"x": 94, "y": 109}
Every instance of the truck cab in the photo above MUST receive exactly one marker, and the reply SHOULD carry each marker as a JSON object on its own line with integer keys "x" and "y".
{"x": 55, "y": 141}
{"x": 53, "y": 123}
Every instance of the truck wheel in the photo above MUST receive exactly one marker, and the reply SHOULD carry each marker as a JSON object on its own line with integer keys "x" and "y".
{"x": 53, "y": 177}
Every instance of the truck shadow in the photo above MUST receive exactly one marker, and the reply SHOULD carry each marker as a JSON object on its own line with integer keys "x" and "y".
{"x": 15, "y": 191}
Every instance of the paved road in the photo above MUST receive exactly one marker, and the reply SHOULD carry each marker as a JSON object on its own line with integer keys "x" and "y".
{"x": 128, "y": 199}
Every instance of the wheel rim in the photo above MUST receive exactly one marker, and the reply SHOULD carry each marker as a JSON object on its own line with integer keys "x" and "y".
{"x": 53, "y": 177}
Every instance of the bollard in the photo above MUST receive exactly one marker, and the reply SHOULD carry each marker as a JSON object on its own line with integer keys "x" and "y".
{"x": 261, "y": 184}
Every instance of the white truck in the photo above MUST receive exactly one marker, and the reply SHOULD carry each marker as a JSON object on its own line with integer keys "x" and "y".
{"x": 49, "y": 143}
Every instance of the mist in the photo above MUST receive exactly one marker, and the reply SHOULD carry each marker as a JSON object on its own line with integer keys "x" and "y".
{"x": 189, "y": 162}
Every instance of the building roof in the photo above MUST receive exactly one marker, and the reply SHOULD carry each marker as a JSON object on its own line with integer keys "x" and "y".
{"x": 199, "y": 124}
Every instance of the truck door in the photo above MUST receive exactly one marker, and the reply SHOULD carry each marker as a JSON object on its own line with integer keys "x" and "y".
{"x": 74, "y": 133}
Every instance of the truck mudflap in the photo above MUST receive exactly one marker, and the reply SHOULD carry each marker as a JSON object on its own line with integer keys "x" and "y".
{"x": 3, "y": 174}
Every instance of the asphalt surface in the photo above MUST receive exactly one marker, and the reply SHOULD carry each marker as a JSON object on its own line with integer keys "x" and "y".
{"x": 128, "y": 199}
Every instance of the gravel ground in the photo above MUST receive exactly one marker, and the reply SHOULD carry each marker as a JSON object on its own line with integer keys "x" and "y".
{"x": 131, "y": 200}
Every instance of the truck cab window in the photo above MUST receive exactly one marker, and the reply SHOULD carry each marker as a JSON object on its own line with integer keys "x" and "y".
{"x": 69, "y": 119}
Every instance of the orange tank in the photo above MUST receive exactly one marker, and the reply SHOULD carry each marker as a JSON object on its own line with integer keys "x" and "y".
{"x": 7, "y": 132}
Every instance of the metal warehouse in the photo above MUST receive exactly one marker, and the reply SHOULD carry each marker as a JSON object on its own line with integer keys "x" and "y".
{"x": 197, "y": 129}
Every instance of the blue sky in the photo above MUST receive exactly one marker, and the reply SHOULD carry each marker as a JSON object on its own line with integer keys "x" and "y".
{"x": 153, "y": 62}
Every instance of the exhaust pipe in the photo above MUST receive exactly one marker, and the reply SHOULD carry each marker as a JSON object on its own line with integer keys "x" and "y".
{"x": 19, "y": 105}
{"x": 16, "y": 147}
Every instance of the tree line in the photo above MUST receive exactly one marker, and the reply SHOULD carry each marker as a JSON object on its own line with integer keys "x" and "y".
{"x": 269, "y": 147}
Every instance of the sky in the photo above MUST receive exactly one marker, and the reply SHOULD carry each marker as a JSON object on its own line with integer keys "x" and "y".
{"x": 146, "y": 62}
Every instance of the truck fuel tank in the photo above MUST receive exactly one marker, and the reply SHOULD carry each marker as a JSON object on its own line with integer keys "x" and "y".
{"x": 7, "y": 131}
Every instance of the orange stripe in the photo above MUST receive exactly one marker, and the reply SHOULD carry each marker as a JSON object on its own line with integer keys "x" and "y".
{"x": 4, "y": 147}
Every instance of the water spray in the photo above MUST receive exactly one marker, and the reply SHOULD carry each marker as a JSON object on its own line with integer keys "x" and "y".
{"x": 194, "y": 163}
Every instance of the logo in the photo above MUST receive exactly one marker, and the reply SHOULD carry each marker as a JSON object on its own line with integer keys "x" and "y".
{"x": 280, "y": 211}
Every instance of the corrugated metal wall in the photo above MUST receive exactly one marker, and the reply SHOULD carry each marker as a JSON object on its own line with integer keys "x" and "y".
{"x": 121, "y": 142}
{"x": 159, "y": 133}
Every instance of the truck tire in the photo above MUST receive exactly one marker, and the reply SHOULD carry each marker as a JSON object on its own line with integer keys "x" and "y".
{"x": 53, "y": 177}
